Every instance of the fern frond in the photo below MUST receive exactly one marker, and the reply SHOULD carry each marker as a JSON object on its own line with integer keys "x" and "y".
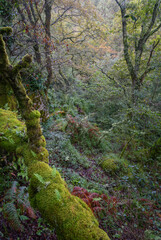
{"x": 11, "y": 215}
{"x": 11, "y": 193}
{"x": 40, "y": 178}
{"x": 53, "y": 171}
{"x": 58, "y": 196}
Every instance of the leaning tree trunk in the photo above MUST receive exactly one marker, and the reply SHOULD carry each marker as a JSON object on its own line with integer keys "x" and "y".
{"x": 71, "y": 217}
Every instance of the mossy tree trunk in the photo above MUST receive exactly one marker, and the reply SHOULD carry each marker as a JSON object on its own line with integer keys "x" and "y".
{"x": 6, "y": 93}
{"x": 71, "y": 217}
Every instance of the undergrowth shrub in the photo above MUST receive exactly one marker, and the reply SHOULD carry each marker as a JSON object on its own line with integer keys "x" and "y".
{"x": 136, "y": 133}
{"x": 63, "y": 152}
{"x": 125, "y": 215}
{"x": 68, "y": 103}
{"x": 83, "y": 132}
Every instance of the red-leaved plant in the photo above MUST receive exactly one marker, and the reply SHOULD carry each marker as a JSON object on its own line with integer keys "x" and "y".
{"x": 83, "y": 132}
{"x": 97, "y": 202}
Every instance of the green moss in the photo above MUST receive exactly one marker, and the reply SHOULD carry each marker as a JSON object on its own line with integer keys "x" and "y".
{"x": 109, "y": 165}
{"x": 72, "y": 219}
{"x": 33, "y": 119}
{"x": 34, "y": 114}
{"x": 113, "y": 164}
{"x": 24, "y": 63}
{"x": 43, "y": 155}
{"x": 42, "y": 141}
{"x": 30, "y": 156}
{"x": 6, "y": 96}
{"x": 45, "y": 171}
{"x": 4, "y": 61}
{"x": 33, "y": 122}
{"x": 13, "y": 131}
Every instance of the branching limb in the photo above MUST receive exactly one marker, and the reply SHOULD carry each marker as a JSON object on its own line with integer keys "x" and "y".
{"x": 113, "y": 79}
{"x": 148, "y": 68}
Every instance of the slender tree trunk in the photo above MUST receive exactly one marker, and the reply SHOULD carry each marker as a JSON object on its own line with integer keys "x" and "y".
{"x": 48, "y": 7}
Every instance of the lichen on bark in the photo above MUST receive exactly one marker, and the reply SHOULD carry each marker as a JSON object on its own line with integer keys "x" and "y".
{"x": 69, "y": 215}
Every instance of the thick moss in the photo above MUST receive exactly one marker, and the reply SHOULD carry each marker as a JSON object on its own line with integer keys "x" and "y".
{"x": 30, "y": 156}
{"x": 72, "y": 218}
{"x": 24, "y": 63}
{"x": 45, "y": 171}
{"x": 42, "y": 141}
{"x": 34, "y": 114}
{"x": 12, "y": 131}
{"x": 4, "y": 61}
{"x": 113, "y": 164}
{"x": 6, "y": 96}
{"x": 109, "y": 165}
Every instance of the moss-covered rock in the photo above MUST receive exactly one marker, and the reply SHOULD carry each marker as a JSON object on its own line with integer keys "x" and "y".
{"x": 12, "y": 131}
{"x": 109, "y": 165}
{"x": 113, "y": 164}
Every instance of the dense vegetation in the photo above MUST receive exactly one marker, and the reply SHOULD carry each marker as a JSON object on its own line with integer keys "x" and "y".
{"x": 95, "y": 78}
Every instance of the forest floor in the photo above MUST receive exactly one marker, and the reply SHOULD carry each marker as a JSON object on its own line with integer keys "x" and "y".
{"x": 125, "y": 203}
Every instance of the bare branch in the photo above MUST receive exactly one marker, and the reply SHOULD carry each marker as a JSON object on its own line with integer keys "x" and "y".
{"x": 148, "y": 68}
{"x": 113, "y": 79}
{"x": 60, "y": 16}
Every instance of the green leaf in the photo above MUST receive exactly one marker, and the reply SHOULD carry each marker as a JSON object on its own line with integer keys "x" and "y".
{"x": 133, "y": 18}
{"x": 40, "y": 178}
{"x": 11, "y": 140}
{"x": 127, "y": 16}
{"x": 53, "y": 171}
{"x": 58, "y": 196}
{"x": 33, "y": 153}
{"x": 23, "y": 218}
{"x": 97, "y": 199}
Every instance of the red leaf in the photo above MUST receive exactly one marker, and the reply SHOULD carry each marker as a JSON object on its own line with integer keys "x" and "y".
{"x": 97, "y": 209}
{"x": 30, "y": 213}
{"x": 13, "y": 174}
{"x": 104, "y": 197}
{"x": 96, "y": 204}
{"x": 94, "y": 195}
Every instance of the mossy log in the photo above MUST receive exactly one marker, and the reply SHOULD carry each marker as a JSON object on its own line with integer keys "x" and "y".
{"x": 48, "y": 192}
